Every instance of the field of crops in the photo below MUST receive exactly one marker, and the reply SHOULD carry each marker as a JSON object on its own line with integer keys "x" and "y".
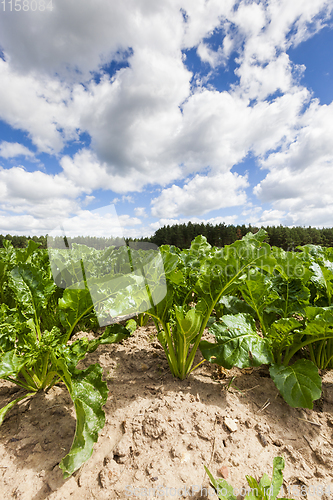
{"x": 263, "y": 305}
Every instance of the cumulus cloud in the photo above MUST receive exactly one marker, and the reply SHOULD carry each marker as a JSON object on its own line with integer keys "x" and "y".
{"x": 36, "y": 104}
{"x": 86, "y": 171}
{"x": 201, "y": 195}
{"x": 304, "y": 195}
{"x": 39, "y": 194}
{"x": 13, "y": 149}
{"x": 140, "y": 212}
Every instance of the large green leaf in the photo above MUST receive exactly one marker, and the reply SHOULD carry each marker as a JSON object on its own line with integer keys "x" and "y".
{"x": 23, "y": 255}
{"x": 10, "y": 327}
{"x": 11, "y": 364}
{"x": 224, "y": 269}
{"x": 237, "y": 343}
{"x": 292, "y": 296}
{"x": 291, "y": 265}
{"x": 323, "y": 279}
{"x": 283, "y": 333}
{"x": 258, "y": 293}
{"x": 299, "y": 384}
{"x": 89, "y": 393}
{"x": 31, "y": 289}
{"x": 188, "y": 323}
{"x": 73, "y": 306}
{"x": 229, "y": 304}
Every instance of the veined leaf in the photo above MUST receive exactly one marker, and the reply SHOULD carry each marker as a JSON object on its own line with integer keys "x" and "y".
{"x": 280, "y": 333}
{"x": 237, "y": 343}
{"x": 32, "y": 290}
{"x": 24, "y": 255}
{"x": 230, "y": 304}
{"x": 11, "y": 364}
{"x": 299, "y": 384}
{"x": 189, "y": 323}
{"x": 291, "y": 265}
{"x": 89, "y": 393}
{"x": 293, "y": 296}
{"x": 258, "y": 292}
{"x": 74, "y": 304}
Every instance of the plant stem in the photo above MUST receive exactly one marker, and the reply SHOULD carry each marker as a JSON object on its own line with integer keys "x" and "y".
{"x": 303, "y": 344}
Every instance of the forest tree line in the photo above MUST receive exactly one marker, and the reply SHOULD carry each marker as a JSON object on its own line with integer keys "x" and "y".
{"x": 181, "y": 235}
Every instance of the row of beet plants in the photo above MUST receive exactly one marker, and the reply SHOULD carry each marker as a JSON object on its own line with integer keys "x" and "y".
{"x": 263, "y": 305}
{"x": 37, "y": 320}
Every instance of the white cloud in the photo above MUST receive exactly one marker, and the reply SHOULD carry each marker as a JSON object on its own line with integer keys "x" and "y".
{"x": 126, "y": 220}
{"x": 101, "y": 222}
{"x": 269, "y": 217}
{"x": 213, "y": 57}
{"x": 127, "y": 199}
{"x": 87, "y": 172}
{"x": 304, "y": 195}
{"x": 201, "y": 195}
{"x": 140, "y": 212}
{"x": 13, "y": 149}
{"x": 36, "y": 104}
{"x": 39, "y": 194}
{"x": 301, "y": 174}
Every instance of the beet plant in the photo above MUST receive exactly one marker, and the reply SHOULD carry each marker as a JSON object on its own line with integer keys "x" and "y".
{"x": 37, "y": 320}
{"x": 282, "y": 306}
{"x": 197, "y": 279}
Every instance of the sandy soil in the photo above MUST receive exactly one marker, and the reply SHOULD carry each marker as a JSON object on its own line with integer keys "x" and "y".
{"x": 160, "y": 432}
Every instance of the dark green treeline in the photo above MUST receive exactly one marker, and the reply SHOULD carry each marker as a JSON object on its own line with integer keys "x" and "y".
{"x": 219, "y": 235}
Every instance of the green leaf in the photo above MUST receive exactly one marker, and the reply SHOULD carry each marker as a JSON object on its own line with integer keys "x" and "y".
{"x": 293, "y": 296}
{"x": 11, "y": 364}
{"x": 189, "y": 323}
{"x": 264, "y": 482}
{"x": 221, "y": 486}
{"x": 255, "y": 491}
{"x": 282, "y": 334}
{"x": 73, "y": 306}
{"x": 299, "y": 384}
{"x": 32, "y": 290}
{"x": 224, "y": 269}
{"x": 131, "y": 324}
{"x": 10, "y": 405}
{"x": 230, "y": 304}
{"x": 237, "y": 343}
{"x": 113, "y": 333}
{"x": 277, "y": 478}
{"x": 24, "y": 255}
{"x": 89, "y": 393}
{"x": 291, "y": 265}
{"x": 258, "y": 293}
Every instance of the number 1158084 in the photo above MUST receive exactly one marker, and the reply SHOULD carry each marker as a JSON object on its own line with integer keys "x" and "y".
{"x": 26, "y": 5}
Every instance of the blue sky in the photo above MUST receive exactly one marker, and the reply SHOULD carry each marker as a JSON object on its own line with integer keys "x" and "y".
{"x": 169, "y": 111}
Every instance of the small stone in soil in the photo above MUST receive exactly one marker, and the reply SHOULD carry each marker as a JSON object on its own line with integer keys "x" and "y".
{"x": 224, "y": 471}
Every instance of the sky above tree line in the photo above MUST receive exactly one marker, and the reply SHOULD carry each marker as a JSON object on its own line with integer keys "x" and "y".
{"x": 123, "y": 117}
